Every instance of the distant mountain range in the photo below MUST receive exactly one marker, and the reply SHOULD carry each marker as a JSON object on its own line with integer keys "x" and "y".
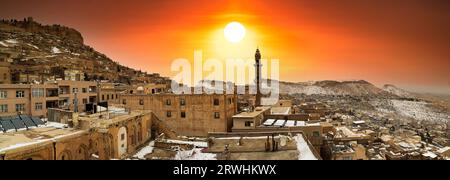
{"x": 354, "y": 88}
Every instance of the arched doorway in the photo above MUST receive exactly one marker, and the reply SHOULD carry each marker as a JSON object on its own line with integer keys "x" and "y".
{"x": 122, "y": 141}
{"x": 65, "y": 155}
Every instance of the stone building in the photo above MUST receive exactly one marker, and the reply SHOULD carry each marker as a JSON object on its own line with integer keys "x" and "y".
{"x": 94, "y": 136}
{"x": 5, "y": 72}
{"x": 190, "y": 114}
{"x": 109, "y": 92}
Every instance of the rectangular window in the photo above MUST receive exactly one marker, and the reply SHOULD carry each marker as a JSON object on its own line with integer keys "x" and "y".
{"x": 122, "y": 137}
{"x": 38, "y": 106}
{"x": 183, "y": 114}
{"x": 20, "y": 107}
{"x": 74, "y": 90}
{"x": 37, "y": 92}
{"x": 4, "y": 108}
{"x": 168, "y": 102}
{"x": 116, "y": 96}
{"x": 141, "y": 102}
{"x": 85, "y": 101}
{"x": 230, "y": 101}
{"x": 3, "y": 94}
{"x": 107, "y": 97}
{"x": 248, "y": 123}
{"x": 316, "y": 134}
{"x": 103, "y": 97}
{"x": 169, "y": 114}
{"x": 216, "y": 115}
{"x": 216, "y": 102}
{"x": 182, "y": 102}
{"x": 124, "y": 101}
{"x": 20, "y": 94}
{"x": 84, "y": 90}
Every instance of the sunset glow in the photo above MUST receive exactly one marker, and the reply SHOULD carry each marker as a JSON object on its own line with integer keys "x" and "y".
{"x": 314, "y": 40}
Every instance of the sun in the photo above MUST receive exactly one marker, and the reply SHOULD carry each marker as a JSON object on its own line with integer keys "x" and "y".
{"x": 234, "y": 32}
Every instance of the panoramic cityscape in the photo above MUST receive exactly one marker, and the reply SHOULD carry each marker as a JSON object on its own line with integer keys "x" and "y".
{"x": 253, "y": 80}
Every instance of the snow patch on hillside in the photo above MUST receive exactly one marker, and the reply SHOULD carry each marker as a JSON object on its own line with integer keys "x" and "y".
{"x": 418, "y": 111}
{"x": 55, "y": 50}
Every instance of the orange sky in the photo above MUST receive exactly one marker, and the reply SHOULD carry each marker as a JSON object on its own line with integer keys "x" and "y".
{"x": 402, "y": 42}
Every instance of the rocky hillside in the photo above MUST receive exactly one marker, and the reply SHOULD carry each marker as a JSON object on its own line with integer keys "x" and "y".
{"x": 44, "y": 50}
{"x": 397, "y": 91}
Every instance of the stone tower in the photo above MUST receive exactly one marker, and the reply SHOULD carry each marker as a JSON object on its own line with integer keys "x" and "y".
{"x": 258, "y": 66}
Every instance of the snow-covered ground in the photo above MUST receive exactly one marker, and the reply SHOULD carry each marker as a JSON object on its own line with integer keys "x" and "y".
{"x": 418, "y": 111}
{"x": 194, "y": 154}
{"x": 303, "y": 149}
{"x": 144, "y": 151}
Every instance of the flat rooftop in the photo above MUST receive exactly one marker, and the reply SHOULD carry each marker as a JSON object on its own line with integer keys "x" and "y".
{"x": 40, "y": 135}
{"x": 112, "y": 116}
{"x": 280, "y": 110}
{"x": 347, "y": 133}
{"x": 252, "y": 114}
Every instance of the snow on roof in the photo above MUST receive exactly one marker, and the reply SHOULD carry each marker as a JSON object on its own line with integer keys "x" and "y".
{"x": 313, "y": 124}
{"x": 238, "y": 137}
{"x": 444, "y": 149}
{"x": 359, "y": 122}
{"x": 195, "y": 143}
{"x": 429, "y": 154}
{"x": 407, "y": 146}
{"x": 348, "y": 133}
{"x": 56, "y": 125}
{"x": 304, "y": 151}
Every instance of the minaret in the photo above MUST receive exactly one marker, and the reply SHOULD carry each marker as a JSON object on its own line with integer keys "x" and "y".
{"x": 258, "y": 77}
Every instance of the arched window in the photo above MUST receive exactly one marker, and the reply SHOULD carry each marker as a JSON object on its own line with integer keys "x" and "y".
{"x": 83, "y": 153}
{"x": 65, "y": 155}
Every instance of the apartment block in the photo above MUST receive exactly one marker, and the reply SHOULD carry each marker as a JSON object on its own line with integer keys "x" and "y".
{"x": 34, "y": 99}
